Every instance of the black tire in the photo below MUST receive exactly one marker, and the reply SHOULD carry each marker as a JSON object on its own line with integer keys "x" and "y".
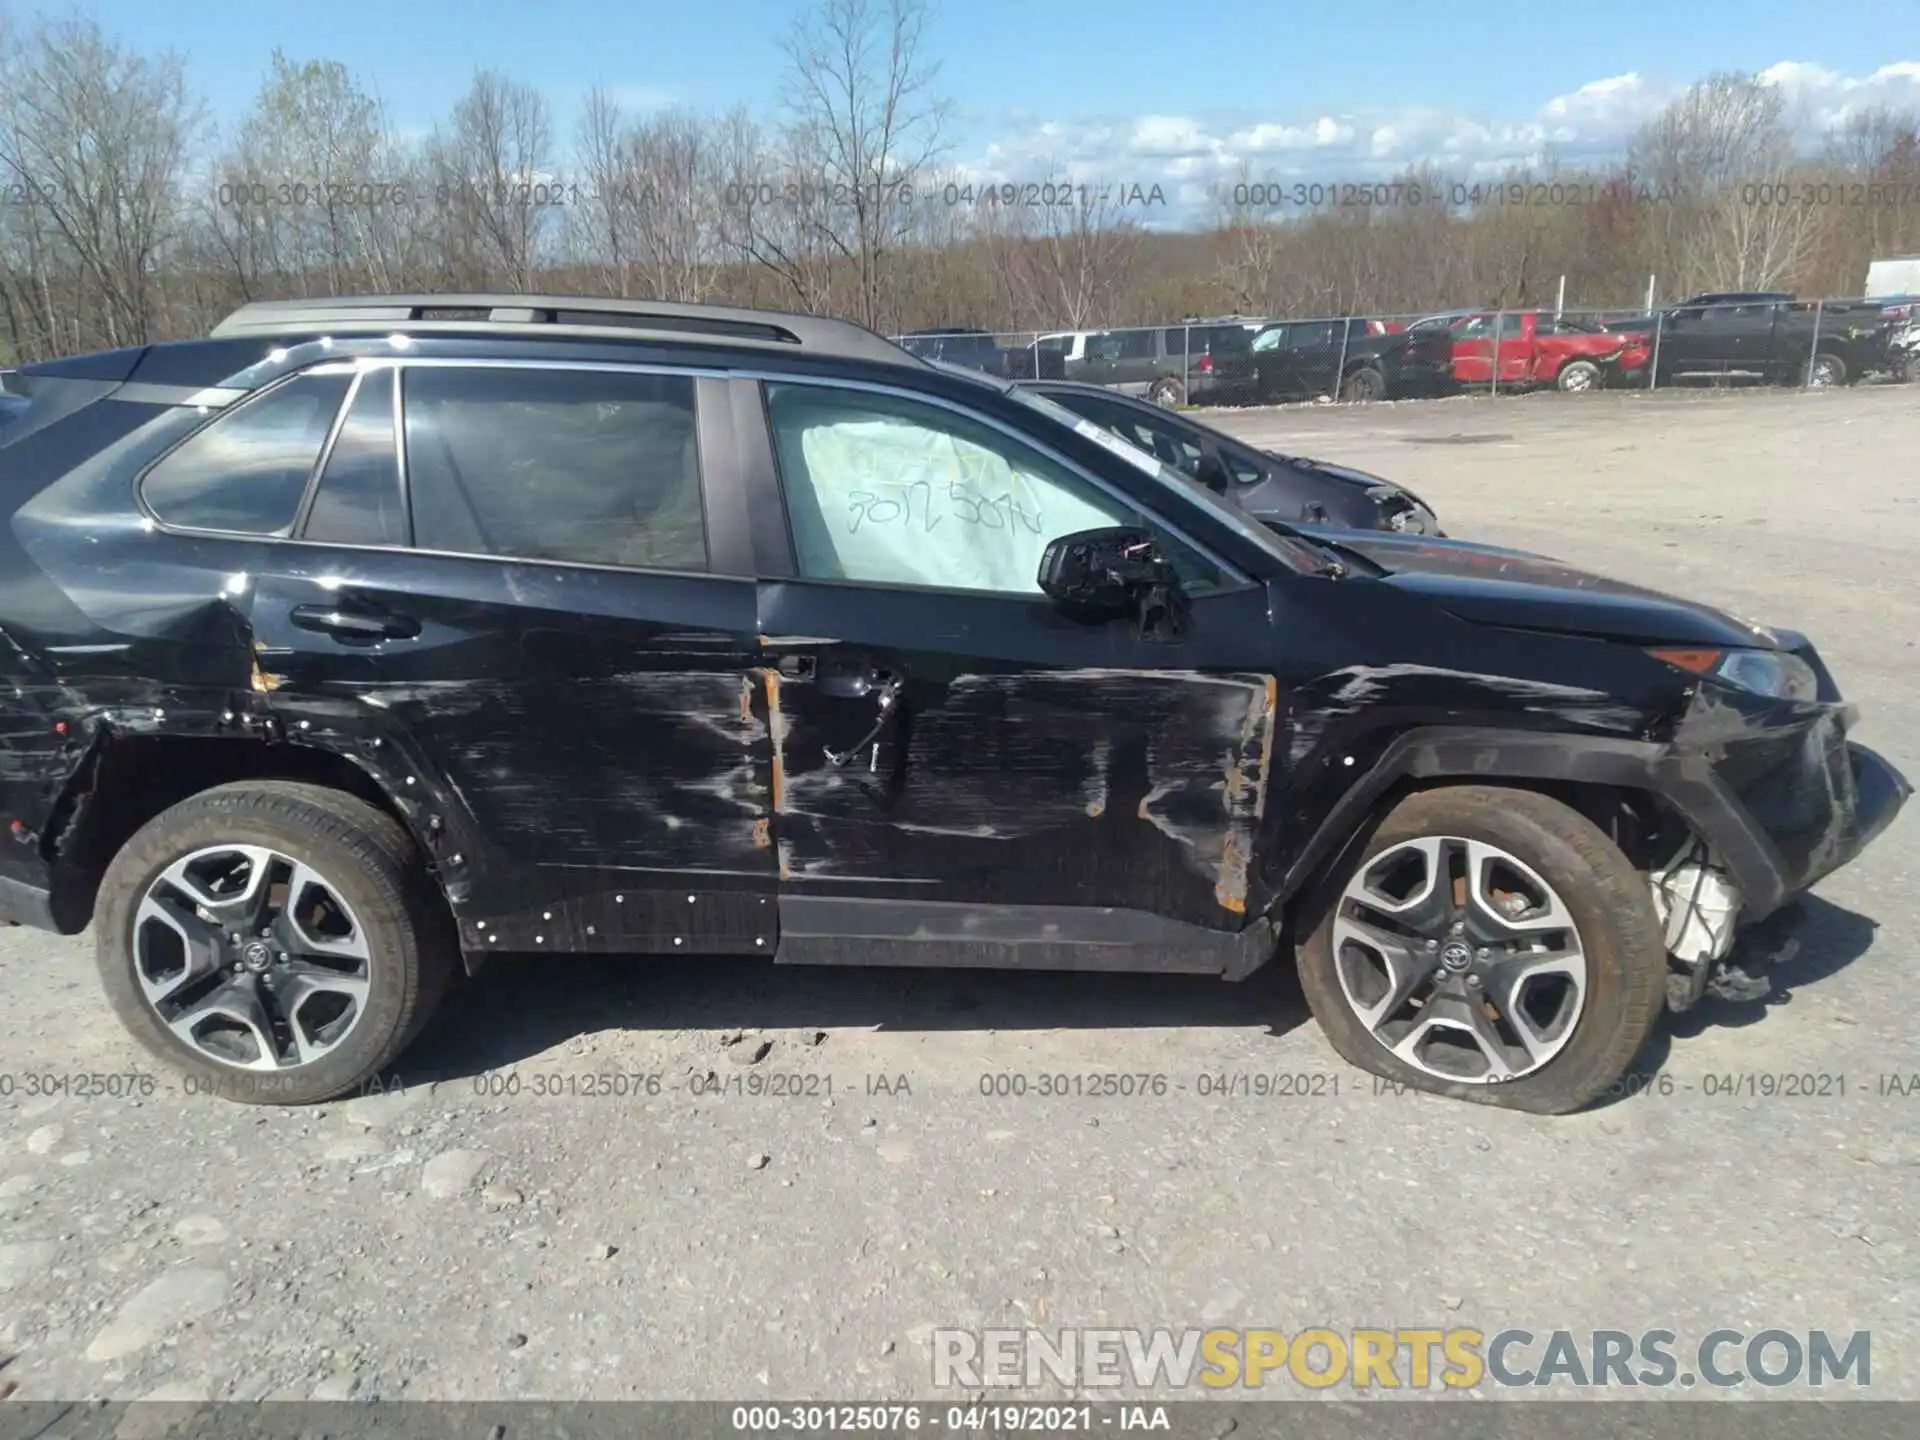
{"x": 1608, "y": 900}
{"x": 1167, "y": 392}
{"x": 372, "y": 862}
{"x": 1828, "y": 371}
{"x": 1580, "y": 375}
{"x": 1363, "y": 384}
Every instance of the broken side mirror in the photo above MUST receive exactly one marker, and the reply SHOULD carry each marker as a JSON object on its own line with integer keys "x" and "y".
{"x": 1210, "y": 470}
{"x": 1115, "y": 571}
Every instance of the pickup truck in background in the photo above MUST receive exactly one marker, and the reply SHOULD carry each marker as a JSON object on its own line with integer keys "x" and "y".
{"x": 1354, "y": 359}
{"x": 1535, "y": 348}
{"x": 1769, "y": 336}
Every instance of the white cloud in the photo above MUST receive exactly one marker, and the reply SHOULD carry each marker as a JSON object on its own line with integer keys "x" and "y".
{"x": 1594, "y": 122}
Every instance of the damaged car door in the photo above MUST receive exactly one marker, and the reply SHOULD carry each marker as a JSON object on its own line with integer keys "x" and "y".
{"x": 508, "y": 599}
{"x": 965, "y": 772}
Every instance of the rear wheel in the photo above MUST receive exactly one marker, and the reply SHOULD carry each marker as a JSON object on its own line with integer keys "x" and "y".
{"x": 1826, "y": 372}
{"x": 1491, "y": 945}
{"x": 278, "y": 943}
{"x": 1579, "y": 375}
{"x": 1167, "y": 391}
{"x": 1363, "y": 384}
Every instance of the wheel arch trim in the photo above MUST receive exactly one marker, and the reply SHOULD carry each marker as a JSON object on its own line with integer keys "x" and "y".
{"x": 1685, "y": 783}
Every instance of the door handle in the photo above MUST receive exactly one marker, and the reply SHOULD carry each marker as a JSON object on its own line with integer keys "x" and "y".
{"x": 843, "y": 674}
{"x": 354, "y": 625}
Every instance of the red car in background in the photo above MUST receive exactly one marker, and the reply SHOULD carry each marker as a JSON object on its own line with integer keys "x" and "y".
{"x": 1534, "y": 348}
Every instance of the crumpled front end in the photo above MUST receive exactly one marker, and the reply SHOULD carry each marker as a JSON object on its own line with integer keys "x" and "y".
{"x": 1777, "y": 798}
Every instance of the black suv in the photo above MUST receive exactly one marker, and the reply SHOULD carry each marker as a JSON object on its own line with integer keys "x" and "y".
{"x": 371, "y": 637}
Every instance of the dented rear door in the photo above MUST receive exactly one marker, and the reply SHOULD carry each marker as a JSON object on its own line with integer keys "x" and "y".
{"x": 968, "y": 742}
{"x": 539, "y": 651}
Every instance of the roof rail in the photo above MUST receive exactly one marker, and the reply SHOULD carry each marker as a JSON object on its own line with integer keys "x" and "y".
{"x": 571, "y": 315}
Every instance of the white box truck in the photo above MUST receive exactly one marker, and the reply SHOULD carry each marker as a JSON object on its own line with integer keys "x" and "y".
{"x": 1895, "y": 275}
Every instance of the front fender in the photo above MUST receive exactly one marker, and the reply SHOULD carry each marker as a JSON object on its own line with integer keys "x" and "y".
{"x": 1685, "y": 782}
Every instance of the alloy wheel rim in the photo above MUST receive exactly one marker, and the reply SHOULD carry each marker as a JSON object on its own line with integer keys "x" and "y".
{"x": 251, "y": 958}
{"x": 1822, "y": 375}
{"x": 1579, "y": 379}
{"x": 1458, "y": 958}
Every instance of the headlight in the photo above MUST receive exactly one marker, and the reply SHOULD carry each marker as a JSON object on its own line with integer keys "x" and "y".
{"x": 1778, "y": 673}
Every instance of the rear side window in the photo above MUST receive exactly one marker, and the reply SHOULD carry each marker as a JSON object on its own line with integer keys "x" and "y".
{"x": 591, "y": 467}
{"x": 358, "y": 500}
{"x": 247, "y": 471}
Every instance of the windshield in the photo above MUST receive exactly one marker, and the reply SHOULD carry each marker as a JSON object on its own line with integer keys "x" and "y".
{"x": 1284, "y": 546}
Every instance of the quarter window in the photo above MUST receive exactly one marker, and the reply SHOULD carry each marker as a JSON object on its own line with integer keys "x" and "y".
{"x": 592, "y": 467}
{"x": 358, "y": 501}
{"x": 247, "y": 471}
{"x": 890, "y": 491}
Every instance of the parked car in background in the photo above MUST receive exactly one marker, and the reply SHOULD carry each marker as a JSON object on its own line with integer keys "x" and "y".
{"x": 1903, "y": 343}
{"x": 1352, "y": 359}
{"x": 1194, "y": 361}
{"x": 1767, "y": 335}
{"x": 1534, "y": 348}
{"x": 1445, "y": 320}
{"x": 1271, "y": 487}
{"x": 1062, "y": 355}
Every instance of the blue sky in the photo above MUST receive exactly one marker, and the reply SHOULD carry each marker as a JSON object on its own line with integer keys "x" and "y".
{"x": 1145, "y": 89}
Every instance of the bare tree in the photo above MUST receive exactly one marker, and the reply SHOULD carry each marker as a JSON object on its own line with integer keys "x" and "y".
{"x": 98, "y": 140}
{"x": 1712, "y": 152}
{"x": 1068, "y": 260}
{"x": 494, "y": 177}
{"x": 604, "y": 222}
{"x": 862, "y": 123}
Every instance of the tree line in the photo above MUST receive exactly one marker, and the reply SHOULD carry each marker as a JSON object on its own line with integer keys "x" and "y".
{"x": 127, "y": 216}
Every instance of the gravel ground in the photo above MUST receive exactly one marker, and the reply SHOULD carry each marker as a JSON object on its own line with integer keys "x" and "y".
{"x": 463, "y": 1236}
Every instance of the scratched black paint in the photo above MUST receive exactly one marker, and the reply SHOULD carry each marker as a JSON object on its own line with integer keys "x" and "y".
{"x": 593, "y": 759}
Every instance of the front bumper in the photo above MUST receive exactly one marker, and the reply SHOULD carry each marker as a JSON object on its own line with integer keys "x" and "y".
{"x": 1781, "y": 793}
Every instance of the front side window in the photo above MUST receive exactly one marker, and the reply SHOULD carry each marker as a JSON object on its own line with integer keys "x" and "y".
{"x": 247, "y": 471}
{"x": 585, "y": 466}
{"x": 890, "y": 491}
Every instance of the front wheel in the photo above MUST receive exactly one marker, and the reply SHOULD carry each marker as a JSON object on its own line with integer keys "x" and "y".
{"x": 1489, "y": 944}
{"x": 1167, "y": 392}
{"x": 277, "y": 943}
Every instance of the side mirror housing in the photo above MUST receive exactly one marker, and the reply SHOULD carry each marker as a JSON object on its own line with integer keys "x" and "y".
{"x": 1211, "y": 471}
{"x": 1114, "y": 571}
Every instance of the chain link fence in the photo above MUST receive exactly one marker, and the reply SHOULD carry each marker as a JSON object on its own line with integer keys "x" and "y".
{"x": 1754, "y": 339}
